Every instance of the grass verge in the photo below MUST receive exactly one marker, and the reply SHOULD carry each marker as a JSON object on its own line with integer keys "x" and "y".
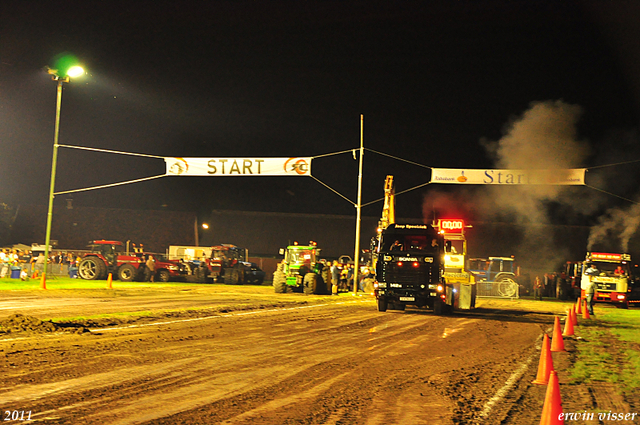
{"x": 610, "y": 351}
{"x": 58, "y": 282}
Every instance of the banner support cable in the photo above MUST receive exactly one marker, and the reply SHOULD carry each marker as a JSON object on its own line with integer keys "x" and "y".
{"x": 104, "y": 186}
{"x": 333, "y": 190}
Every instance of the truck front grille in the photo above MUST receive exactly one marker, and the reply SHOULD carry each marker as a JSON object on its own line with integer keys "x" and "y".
{"x": 406, "y": 274}
{"x": 606, "y": 286}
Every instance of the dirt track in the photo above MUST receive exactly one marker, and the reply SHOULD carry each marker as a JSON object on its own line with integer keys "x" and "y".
{"x": 275, "y": 360}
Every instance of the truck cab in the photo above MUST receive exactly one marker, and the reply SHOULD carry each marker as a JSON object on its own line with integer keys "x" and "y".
{"x": 612, "y": 277}
{"x": 410, "y": 268}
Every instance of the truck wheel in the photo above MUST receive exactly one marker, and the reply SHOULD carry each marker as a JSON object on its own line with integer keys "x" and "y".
{"x": 127, "y": 273}
{"x": 279, "y": 282}
{"x": 92, "y": 268}
{"x": 624, "y": 305}
{"x": 382, "y": 304}
{"x": 438, "y": 307}
{"x": 310, "y": 283}
{"x": 163, "y": 276}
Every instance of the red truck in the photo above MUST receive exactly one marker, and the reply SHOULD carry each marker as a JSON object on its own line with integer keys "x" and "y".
{"x": 115, "y": 257}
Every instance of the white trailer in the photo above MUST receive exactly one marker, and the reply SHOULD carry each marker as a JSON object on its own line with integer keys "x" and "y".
{"x": 188, "y": 253}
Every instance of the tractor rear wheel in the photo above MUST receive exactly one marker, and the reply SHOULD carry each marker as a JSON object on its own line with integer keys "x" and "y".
{"x": 92, "y": 268}
{"x": 231, "y": 276}
{"x": 279, "y": 282}
{"x": 507, "y": 287}
{"x": 310, "y": 283}
{"x": 127, "y": 273}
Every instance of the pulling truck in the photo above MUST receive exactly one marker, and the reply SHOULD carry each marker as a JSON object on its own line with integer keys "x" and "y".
{"x": 409, "y": 263}
{"x": 455, "y": 251}
{"x": 299, "y": 271}
{"x": 456, "y": 275}
{"x": 410, "y": 269}
{"x": 611, "y": 287}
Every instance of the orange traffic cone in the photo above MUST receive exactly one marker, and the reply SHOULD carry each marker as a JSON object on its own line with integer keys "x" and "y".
{"x": 557, "y": 343}
{"x": 574, "y": 316}
{"x": 109, "y": 280}
{"x": 579, "y": 305}
{"x": 545, "y": 366}
{"x": 552, "y": 402}
{"x": 43, "y": 281}
{"x": 568, "y": 324}
{"x": 585, "y": 312}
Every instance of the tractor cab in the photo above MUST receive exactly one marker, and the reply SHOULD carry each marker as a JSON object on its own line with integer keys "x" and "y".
{"x": 109, "y": 250}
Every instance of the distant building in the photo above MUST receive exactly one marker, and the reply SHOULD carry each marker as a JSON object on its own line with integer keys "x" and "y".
{"x": 74, "y": 228}
{"x": 263, "y": 233}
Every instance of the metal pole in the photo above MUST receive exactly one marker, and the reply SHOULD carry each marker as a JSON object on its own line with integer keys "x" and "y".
{"x": 54, "y": 162}
{"x": 195, "y": 231}
{"x": 356, "y": 256}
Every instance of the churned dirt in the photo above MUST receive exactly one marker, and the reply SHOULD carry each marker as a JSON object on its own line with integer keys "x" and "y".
{"x": 243, "y": 355}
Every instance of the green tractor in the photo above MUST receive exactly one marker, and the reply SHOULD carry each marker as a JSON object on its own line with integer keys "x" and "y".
{"x": 300, "y": 271}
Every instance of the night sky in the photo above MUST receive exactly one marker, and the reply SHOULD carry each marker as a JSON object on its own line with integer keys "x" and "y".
{"x": 436, "y": 81}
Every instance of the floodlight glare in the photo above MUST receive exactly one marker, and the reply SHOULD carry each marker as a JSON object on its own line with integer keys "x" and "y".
{"x": 75, "y": 71}
{"x": 65, "y": 65}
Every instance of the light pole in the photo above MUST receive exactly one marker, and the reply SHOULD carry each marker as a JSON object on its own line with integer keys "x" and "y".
{"x": 61, "y": 76}
{"x": 196, "y": 230}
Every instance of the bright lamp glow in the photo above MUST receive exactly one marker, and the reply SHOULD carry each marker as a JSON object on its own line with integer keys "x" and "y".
{"x": 75, "y": 71}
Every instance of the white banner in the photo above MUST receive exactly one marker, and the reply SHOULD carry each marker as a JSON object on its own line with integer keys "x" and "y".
{"x": 238, "y": 166}
{"x": 574, "y": 176}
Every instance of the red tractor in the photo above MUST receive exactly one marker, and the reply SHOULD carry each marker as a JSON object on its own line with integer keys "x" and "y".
{"x": 113, "y": 257}
{"x": 227, "y": 263}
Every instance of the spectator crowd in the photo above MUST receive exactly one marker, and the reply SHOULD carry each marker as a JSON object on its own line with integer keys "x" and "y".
{"x": 32, "y": 262}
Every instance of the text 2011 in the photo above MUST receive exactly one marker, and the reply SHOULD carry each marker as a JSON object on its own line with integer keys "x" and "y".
{"x": 17, "y": 415}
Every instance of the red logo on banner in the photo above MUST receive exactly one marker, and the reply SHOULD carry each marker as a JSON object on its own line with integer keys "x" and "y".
{"x": 297, "y": 165}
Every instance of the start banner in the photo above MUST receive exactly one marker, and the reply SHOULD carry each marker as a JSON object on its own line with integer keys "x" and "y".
{"x": 238, "y": 166}
{"x": 574, "y": 176}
